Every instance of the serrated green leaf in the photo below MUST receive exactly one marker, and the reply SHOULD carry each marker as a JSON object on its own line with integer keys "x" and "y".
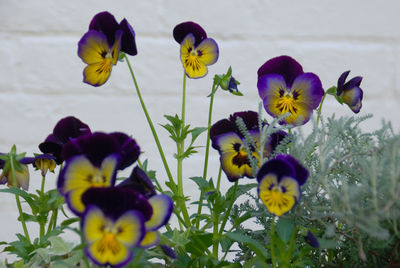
{"x": 284, "y": 229}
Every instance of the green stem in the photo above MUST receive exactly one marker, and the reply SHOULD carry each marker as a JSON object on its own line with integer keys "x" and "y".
{"x": 221, "y": 230}
{"x": 42, "y": 186}
{"x": 149, "y": 121}
{"x": 21, "y": 215}
{"x": 320, "y": 107}
{"x": 200, "y": 206}
{"x": 219, "y": 178}
{"x": 50, "y": 225}
{"x": 291, "y": 245}
{"x": 180, "y": 151}
{"x": 272, "y": 242}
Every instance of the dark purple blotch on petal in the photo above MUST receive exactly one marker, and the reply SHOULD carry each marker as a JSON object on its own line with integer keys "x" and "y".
{"x": 139, "y": 181}
{"x": 286, "y": 66}
{"x": 183, "y": 29}
{"x": 115, "y": 201}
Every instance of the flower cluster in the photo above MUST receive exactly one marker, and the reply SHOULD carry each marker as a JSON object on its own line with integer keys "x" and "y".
{"x": 115, "y": 218}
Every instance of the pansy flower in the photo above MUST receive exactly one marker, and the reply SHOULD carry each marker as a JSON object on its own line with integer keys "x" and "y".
{"x": 100, "y": 46}
{"x": 44, "y": 163}
{"x": 162, "y": 205}
{"x": 113, "y": 224}
{"x": 311, "y": 240}
{"x": 197, "y": 51}
{"x": 229, "y": 141}
{"x": 279, "y": 182}
{"x": 350, "y": 91}
{"x": 65, "y": 130}
{"x": 285, "y": 88}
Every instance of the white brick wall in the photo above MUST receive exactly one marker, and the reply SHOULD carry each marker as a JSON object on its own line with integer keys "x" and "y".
{"x": 41, "y": 75}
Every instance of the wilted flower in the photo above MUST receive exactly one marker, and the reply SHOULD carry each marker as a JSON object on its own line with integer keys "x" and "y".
{"x": 197, "y": 51}
{"x": 229, "y": 141}
{"x": 350, "y": 92}
{"x": 279, "y": 182}
{"x": 168, "y": 251}
{"x": 100, "y": 46}
{"x": 113, "y": 224}
{"x": 21, "y": 174}
{"x": 44, "y": 163}
{"x": 285, "y": 88}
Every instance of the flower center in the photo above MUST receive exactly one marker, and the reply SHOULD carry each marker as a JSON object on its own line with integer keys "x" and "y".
{"x": 109, "y": 243}
{"x": 97, "y": 179}
{"x": 287, "y": 104}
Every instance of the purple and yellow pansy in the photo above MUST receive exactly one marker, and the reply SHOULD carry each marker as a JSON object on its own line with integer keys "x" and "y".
{"x": 229, "y": 141}
{"x": 279, "y": 182}
{"x": 285, "y": 88}
{"x": 197, "y": 51}
{"x": 113, "y": 223}
{"x": 92, "y": 161}
{"x": 350, "y": 91}
{"x": 99, "y": 48}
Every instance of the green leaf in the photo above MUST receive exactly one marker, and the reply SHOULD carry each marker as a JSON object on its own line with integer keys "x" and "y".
{"x": 250, "y": 242}
{"x": 284, "y": 229}
{"x": 201, "y": 182}
{"x": 69, "y": 222}
{"x": 21, "y": 193}
{"x": 327, "y": 243}
{"x": 332, "y": 91}
{"x": 59, "y": 246}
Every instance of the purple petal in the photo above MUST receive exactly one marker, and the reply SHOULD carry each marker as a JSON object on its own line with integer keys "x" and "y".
{"x": 312, "y": 240}
{"x": 283, "y": 65}
{"x": 274, "y": 140}
{"x": 279, "y": 167}
{"x": 95, "y": 147}
{"x": 162, "y": 209}
{"x": 250, "y": 119}
{"x": 183, "y": 29}
{"x": 168, "y": 251}
{"x": 271, "y": 84}
{"x": 307, "y": 88}
{"x": 128, "y": 43}
{"x": 139, "y": 181}
{"x": 107, "y": 24}
{"x": 70, "y": 127}
{"x": 354, "y": 82}
{"x": 115, "y": 201}
{"x": 353, "y": 98}
{"x": 52, "y": 146}
{"x": 341, "y": 82}
{"x": 129, "y": 150}
{"x": 221, "y": 127}
{"x": 301, "y": 172}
